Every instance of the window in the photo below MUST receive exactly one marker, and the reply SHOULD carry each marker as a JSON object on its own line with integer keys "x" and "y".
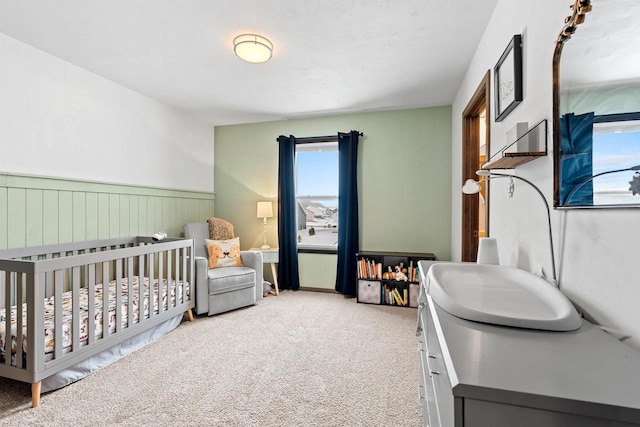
{"x": 615, "y": 146}
{"x": 317, "y": 195}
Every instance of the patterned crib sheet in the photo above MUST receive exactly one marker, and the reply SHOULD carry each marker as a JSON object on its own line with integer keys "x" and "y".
{"x": 67, "y": 333}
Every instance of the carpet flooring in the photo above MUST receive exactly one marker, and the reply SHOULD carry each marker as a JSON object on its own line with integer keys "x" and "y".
{"x": 300, "y": 359}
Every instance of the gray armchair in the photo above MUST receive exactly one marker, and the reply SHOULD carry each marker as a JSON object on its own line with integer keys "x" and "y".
{"x": 226, "y": 288}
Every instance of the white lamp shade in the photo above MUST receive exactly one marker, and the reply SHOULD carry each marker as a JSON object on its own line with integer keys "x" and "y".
{"x": 252, "y": 48}
{"x": 471, "y": 186}
{"x": 265, "y": 210}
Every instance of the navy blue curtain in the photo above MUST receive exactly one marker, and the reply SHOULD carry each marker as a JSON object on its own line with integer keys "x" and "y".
{"x": 288, "y": 277}
{"x": 576, "y": 158}
{"x": 347, "y": 212}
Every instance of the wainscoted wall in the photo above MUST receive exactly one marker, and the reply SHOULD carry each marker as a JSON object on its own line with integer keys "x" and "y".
{"x": 40, "y": 211}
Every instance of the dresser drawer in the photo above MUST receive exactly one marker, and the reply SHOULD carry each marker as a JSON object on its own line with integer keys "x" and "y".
{"x": 432, "y": 404}
{"x": 438, "y": 372}
{"x": 424, "y": 380}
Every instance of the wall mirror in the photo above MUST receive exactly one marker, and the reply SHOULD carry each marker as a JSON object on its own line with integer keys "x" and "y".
{"x": 596, "y": 106}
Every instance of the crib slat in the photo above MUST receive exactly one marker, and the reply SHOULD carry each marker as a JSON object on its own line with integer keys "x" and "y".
{"x": 48, "y": 278}
{"x": 152, "y": 287}
{"x": 141, "y": 275}
{"x": 118, "y": 295}
{"x": 58, "y": 281}
{"x": 130, "y": 293}
{"x": 169, "y": 278}
{"x": 35, "y": 322}
{"x": 70, "y": 273}
{"x": 91, "y": 304}
{"x": 75, "y": 309}
{"x": 191, "y": 275}
{"x": 177, "y": 272}
{"x": 19, "y": 320}
{"x": 185, "y": 256}
{"x": 105, "y": 300}
{"x": 160, "y": 281}
{"x": 7, "y": 303}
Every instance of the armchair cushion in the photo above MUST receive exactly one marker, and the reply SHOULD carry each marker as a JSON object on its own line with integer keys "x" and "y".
{"x": 224, "y": 253}
{"x": 230, "y": 279}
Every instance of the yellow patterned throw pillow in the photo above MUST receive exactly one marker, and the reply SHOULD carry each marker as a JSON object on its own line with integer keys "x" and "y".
{"x": 224, "y": 253}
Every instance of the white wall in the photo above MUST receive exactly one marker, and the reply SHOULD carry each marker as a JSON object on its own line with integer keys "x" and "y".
{"x": 596, "y": 250}
{"x": 59, "y": 120}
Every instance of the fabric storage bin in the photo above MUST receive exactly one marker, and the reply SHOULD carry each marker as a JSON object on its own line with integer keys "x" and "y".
{"x": 369, "y": 291}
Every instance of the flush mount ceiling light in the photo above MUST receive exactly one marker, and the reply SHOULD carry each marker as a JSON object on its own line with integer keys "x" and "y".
{"x": 252, "y": 48}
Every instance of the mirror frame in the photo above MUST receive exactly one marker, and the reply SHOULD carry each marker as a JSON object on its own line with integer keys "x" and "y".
{"x": 580, "y": 8}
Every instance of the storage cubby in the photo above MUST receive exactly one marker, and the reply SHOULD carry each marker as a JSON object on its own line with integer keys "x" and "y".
{"x": 389, "y": 278}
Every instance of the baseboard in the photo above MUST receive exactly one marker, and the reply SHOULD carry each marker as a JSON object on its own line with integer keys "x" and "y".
{"x": 331, "y": 291}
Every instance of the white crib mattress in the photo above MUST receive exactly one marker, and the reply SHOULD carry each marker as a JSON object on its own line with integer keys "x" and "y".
{"x": 67, "y": 333}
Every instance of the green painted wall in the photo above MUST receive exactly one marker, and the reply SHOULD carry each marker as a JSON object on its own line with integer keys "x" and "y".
{"x": 40, "y": 211}
{"x": 604, "y": 101}
{"x": 404, "y": 181}
{"x": 317, "y": 270}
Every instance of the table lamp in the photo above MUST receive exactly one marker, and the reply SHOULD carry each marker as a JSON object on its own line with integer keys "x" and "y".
{"x": 265, "y": 210}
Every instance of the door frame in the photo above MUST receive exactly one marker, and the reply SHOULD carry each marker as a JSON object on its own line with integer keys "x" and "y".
{"x": 470, "y": 160}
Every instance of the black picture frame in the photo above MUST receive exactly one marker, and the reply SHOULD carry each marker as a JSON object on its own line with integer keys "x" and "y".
{"x": 507, "y": 76}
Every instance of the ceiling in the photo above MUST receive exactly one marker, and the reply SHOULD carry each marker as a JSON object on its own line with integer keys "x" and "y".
{"x": 603, "y": 53}
{"x": 330, "y": 56}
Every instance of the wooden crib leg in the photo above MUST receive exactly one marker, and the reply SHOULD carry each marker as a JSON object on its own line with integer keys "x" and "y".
{"x": 35, "y": 394}
{"x": 190, "y": 315}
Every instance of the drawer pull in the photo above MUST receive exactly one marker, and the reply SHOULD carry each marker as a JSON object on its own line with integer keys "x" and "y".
{"x": 435, "y": 372}
{"x": 431, "y": 356}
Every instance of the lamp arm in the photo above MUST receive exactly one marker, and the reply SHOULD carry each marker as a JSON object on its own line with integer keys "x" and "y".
{"x": 591, "y": 178}
{"x": 546, "y": 205}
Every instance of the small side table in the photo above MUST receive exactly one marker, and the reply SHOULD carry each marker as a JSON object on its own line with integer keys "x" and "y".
{"x": 270, "y": 256}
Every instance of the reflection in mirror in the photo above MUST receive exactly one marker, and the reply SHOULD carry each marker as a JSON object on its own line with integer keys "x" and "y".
{"x": 597, "y": 106}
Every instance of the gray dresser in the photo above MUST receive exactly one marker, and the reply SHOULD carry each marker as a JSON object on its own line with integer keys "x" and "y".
{"x": 475, "y": 374}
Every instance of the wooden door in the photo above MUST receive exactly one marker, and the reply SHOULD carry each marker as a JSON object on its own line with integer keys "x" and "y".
{"x": 471, "y": 137}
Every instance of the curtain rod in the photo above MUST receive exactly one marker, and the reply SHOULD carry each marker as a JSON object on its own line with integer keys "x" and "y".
{"x": 312, "y": 139}
{"x": 619, "y": 117}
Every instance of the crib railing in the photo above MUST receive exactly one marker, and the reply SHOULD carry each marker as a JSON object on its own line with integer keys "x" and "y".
{"x": 29, "y": 275}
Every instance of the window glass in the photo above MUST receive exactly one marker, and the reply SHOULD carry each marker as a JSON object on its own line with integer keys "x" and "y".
{"x": 616, "y": 145}
{"x": 317, "y": 195}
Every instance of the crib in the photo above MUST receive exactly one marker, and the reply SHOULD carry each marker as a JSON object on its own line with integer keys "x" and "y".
{"x": 62, "y": 305}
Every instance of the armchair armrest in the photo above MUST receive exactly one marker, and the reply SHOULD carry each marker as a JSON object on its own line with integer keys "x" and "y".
{"x": 253, "y": 259}
{"x": 201, "y": 285}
